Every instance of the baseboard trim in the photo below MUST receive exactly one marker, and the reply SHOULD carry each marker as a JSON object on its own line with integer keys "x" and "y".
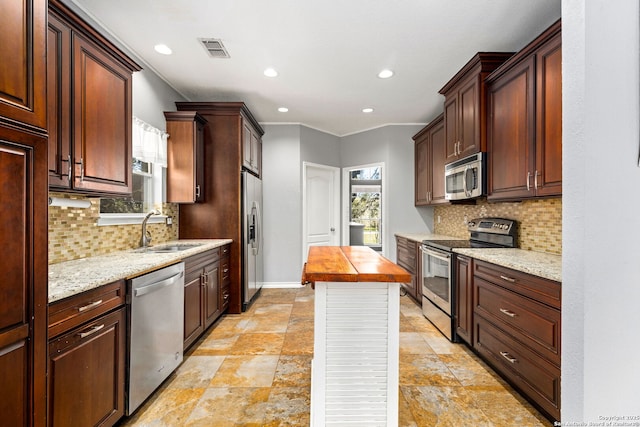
{"x": 275, "y": 285}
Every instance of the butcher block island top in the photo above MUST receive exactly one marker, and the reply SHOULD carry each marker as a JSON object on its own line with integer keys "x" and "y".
{"x": 350, "y": 264}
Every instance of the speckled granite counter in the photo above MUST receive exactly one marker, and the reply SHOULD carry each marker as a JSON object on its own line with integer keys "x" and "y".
{"x": 419, "y": 237}
{"x": 540, "y": 264}
{"x": 73, "y": 277}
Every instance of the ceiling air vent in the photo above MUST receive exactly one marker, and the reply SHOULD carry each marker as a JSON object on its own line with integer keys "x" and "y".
{"x": 215, "y": 48}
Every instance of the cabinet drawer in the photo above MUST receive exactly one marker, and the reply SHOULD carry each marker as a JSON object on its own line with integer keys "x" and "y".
{"x": 534, "y": 324}
{"x": 225, "y": 270}
{"x": 407, "y": 254}
{"x": 225, "y": 251}
{"x": 537, "y": 378}
{"x": 78, "y": 309}
{"x": 225, "y": 294}
{"x": 537, "y": 288}
{"x": 197, "y": 262}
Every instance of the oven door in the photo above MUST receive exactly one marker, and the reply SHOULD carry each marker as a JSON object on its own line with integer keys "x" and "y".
{"x": 436, "y": 277}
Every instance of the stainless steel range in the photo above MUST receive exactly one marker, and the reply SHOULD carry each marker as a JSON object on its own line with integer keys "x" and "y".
{"x": 438, "y": 261}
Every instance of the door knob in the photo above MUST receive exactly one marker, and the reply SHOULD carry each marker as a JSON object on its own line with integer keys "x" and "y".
{"x": 332, "y": 229}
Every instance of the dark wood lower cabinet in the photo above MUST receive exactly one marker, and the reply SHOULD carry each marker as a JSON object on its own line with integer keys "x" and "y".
{"x": 464, "y": 298}
{"x": 408, "y": 257}
{"x": 86, "y": 373}
{"x": 516, "y": 319}
{"x": 87, "y": 358}
{"x": 206, "y": 291}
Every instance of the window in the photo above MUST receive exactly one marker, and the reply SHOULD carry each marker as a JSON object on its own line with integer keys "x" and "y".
{"x": 365, "y": 187}
{"x": 142, "y": 199}
{"x": 148, "y": 178}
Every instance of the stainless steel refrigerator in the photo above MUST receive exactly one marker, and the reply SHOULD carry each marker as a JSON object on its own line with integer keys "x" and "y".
{"x": 252, "y": 237}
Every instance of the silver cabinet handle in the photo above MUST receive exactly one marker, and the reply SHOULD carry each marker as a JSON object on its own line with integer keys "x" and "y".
{"x": 528, "y": 180}
{"x": 507, "y": 312}
{"x": 88, "y": 306}
{"x": 507, "y": 356}
{"x": 508, "y": 279}
{"x": 535, "y": 180}
{"x": 91, "y": 331}
{"x": 197, "y": 191}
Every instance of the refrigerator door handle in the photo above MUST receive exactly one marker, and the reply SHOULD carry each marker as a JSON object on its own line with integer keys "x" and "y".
{"x": 257, "y": 223}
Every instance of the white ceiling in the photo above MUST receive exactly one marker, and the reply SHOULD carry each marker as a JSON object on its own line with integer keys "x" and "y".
{"x": 327, "y": 52}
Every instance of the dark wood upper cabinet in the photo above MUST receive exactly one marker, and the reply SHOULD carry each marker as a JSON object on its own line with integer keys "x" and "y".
{"x": 465, "y": 106}
{"x": 251, "y": 148}
{"x": 525, "y": 122}
{"x": 23, "y": 40}
{"x": 185, "y": 156}
{"x": 429, "y": 163}
{"x": 90, "y": 108}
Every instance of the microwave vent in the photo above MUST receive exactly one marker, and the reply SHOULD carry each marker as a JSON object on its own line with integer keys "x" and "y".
{"x": 215, "y": 48}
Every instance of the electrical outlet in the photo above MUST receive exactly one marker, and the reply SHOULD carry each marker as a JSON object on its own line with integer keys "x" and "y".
{"x": 466, "y": 220}
{"x": 439, "y": 219}
{"x": 169, "y": 220}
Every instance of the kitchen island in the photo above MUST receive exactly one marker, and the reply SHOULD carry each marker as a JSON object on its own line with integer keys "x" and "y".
{"x": 354, "y": 374}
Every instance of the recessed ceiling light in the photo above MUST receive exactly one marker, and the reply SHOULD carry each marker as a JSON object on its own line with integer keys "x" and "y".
{"x": 270, "y": 72}
{"x": 163, "y": 49}
{"x": 385, "y": 74}
{"x": 367, "y": 110}
{"x": 283, "y": 109}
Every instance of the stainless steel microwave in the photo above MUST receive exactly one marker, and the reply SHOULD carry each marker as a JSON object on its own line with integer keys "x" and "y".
{"x": 465, "y": 178}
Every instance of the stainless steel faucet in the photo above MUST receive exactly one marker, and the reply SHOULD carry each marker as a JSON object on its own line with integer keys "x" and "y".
{"x": 145, "y": 239}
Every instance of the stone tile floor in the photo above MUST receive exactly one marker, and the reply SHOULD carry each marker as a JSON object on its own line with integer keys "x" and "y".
{"x": 254, "y": 369}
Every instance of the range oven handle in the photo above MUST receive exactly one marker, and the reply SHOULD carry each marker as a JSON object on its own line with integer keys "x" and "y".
{"x": 444, "y": 256}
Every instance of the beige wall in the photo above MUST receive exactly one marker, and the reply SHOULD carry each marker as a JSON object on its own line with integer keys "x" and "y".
{"x": 74, "y": 233}
{"x": 540, "y": 221}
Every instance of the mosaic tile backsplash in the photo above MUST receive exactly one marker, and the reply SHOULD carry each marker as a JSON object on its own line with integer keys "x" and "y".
{"x": 540, "y": 221}
{"x": 74, "y": 232}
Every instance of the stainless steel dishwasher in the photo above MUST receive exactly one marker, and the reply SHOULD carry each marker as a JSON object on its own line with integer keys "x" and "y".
{"x": 156, "y": 319}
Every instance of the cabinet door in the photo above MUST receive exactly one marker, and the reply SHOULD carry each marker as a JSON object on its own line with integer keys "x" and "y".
{"x": 193, "y": 304}
{"x": 256, "y": 152}
{"x": 59, "y": 103}
{"x": 451, "y": 128}
{"x": 23, "y": 90}
{"x": 102, "y": 120}
{"x": 464, "y": 298}
{"x": 511, "y": 133}
{"x": 212, "y": 298}
{"x": 246, "y": 146}
{"x": 23, "y": 288}
{"x": 185, "y": 157}
{"x": 438, "y": 160}
{"x": 469, "y": 117}
{"x": 422, "y": 171}
{"x": 86, "y": 373}
{"x": 548, "y": 172}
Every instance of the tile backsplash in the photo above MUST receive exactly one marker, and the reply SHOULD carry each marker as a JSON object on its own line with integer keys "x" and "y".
{"x": 540, "y": 221}
{"x": 74, "y": 232}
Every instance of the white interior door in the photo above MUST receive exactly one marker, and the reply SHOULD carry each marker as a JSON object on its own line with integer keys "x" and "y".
{"x": 321, "y": 206}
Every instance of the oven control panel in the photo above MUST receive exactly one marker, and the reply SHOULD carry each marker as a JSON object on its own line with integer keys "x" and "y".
{"x": 492, "y": 225}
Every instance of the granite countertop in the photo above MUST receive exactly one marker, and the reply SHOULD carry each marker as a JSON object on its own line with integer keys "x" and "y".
{"x": 548, "y": 266}
{"x": 419, "y": 237}
{"x": 73, "y": 277}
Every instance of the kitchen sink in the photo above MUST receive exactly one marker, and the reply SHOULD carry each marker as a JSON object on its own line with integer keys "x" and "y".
{"x": 160, "y": 249}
